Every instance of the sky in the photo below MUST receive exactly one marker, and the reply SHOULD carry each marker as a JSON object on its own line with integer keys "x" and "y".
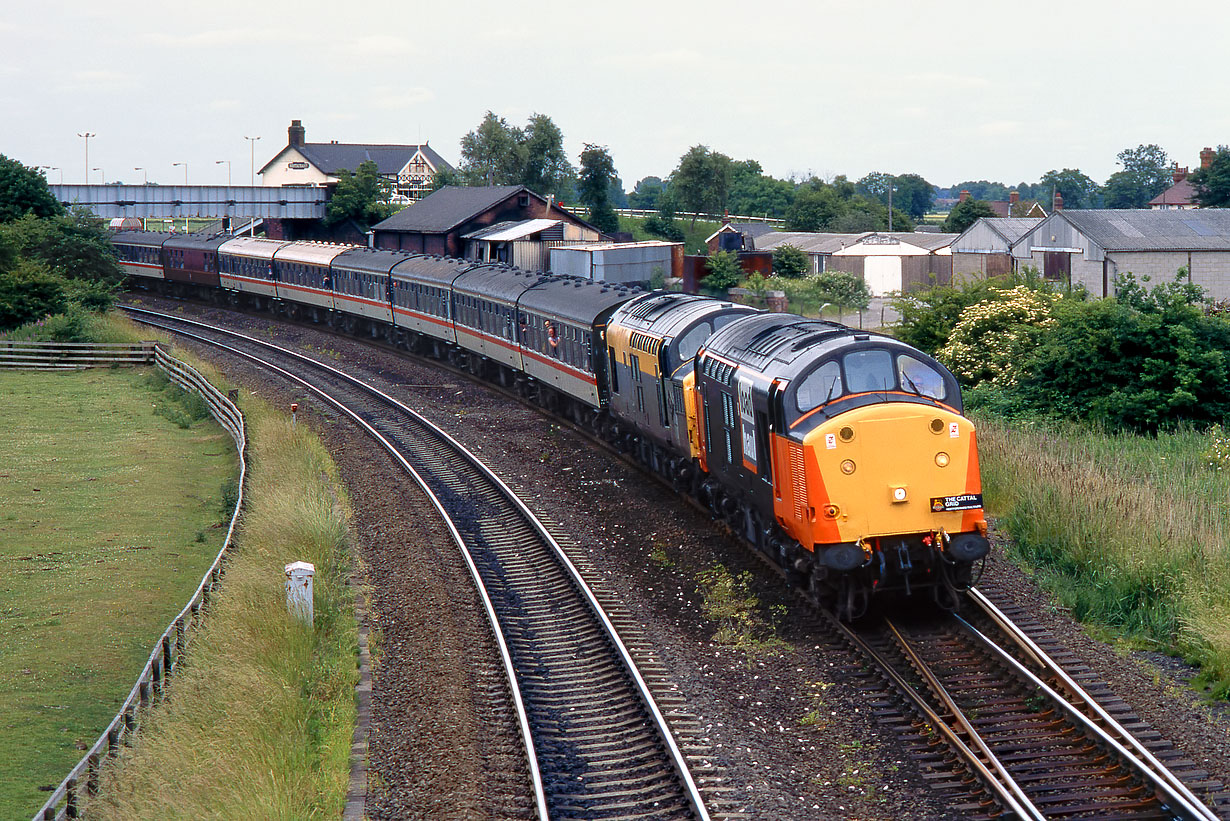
{"x": 950, "y": 90}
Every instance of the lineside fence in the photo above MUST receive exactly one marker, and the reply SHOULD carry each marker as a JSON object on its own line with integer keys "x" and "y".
{"x": 81, "y": 783}
{"x": 583, "y": 211}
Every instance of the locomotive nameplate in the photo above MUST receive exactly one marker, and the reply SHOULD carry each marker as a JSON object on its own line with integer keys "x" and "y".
{"x": 951, "y": 504}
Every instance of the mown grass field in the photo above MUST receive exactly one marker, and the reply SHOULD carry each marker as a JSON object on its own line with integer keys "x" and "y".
{"x": 1130, "y": 532}
{"x": 108, "y": 519}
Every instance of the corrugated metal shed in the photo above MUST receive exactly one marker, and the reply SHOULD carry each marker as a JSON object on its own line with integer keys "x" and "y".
{"x": 614, "y": 261}
{"x": 993, "y": 235}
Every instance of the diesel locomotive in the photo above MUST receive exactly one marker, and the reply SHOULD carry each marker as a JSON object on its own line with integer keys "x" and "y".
{"x": 841, "y": 454}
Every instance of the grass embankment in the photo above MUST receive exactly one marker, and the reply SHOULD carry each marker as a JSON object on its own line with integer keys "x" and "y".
{"x": 1132, "y": 533}
{"x": 694, "y": 236}
{"x": 111, "y": 492}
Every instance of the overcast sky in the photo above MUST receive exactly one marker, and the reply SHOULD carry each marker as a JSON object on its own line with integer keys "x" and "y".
{"x": 949, "y": 90}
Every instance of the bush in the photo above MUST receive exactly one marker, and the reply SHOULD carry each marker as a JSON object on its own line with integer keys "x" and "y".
{"x": 789, "y": 261}
{"x": 27, "y": 293}
{"x": 990, "y": 341}
{"x": 843, "y": 290}
{"x": 928, "y": 315}
{"x": 724, "y": 272}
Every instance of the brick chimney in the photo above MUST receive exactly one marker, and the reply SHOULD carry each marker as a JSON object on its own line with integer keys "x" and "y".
{"x": 1057, "y": 203}
{"x": 1014, "y": 197}
{"x": 964, "y": 196}
{"x": 296, "y": 133}
{"x": 1178, "y": 174}
{"x": 1206, "y": 157}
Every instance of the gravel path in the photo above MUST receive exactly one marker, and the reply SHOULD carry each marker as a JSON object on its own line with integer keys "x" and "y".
{"x": 790, "y": 729}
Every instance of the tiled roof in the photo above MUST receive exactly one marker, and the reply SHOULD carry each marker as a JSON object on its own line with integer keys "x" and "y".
{"x": 331, "y": 158}
{"x": 1180, "y": 193}
{"x": 445, "y": 209}
{"x": 1011, "y": 228}
{"x": 1202, "y": 229}
{"x": 806, "y": 241}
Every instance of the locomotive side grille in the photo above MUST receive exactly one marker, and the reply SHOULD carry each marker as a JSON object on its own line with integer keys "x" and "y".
{"x": 798, "y": 478}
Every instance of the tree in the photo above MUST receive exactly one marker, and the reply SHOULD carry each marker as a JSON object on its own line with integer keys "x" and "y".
{"x": 815, "y": 206}
{"x": 966, "y": 213}
{"x": 547, "y": 170}
{"x": 752, "y": 192}
{"x": 493, "y": 153}
{"x": 789, "y": 262}
{"x": 362, "y": 196}
{"x": 914, "y": 195}
{"x": 724, "y": 272}
{"x": 1078, "y": 190}
{"x": 983, "y": 190}
{"x": 28, "y": 291}
{"x": 844, "y": 291}
{"x": 75, "y": 246}
{"x": 1146, "y": 173}
{"x": 24, "y": 191}
{"x": 662, "y": 224}
{"x": 597, "y": 174}
{"x": 1212, "y": 184}
{"x": 702, "y": 180}
{"x": 646, "y": 193}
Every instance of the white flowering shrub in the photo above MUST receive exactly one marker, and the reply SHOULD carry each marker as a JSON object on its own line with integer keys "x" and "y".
{"x": 991, "y": 338}
{"x": 1217, "y": 457}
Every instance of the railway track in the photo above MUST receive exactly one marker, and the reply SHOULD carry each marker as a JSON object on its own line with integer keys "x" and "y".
{"x": 1035, "y": 740}
{"x": 597, "y": 744}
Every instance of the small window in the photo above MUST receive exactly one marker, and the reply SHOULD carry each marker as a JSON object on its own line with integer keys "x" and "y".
{"x": 614, "y": 370}
{"x": 918, "y": 377}
{"x": 869, "y": 371}
{"x": 818, "y": 387}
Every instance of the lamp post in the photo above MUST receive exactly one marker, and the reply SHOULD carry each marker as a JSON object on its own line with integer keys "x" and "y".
{"x": 143, "y": 171}
{"x": 102, "y": 175}
{"x": 87, "y": 136}
{"x": 890, "y": 208}
{"x": 185, "y": 165}
{"x": 228, "y": 170}
{"x": 252, "y": 143}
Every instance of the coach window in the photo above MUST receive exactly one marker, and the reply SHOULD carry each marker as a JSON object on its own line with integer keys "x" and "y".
{"x": 818, "y": 387}
{"x": 918, "y": 377}
{"x": 870, "y": 371}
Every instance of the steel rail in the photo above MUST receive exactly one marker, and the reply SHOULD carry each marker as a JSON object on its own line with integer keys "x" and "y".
{"x": 1006, "y": 794}
{"x": 677, "y": 759}
{"x": 1178, "y": 797}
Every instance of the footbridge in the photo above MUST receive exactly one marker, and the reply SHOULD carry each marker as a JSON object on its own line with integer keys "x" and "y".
{"x": 216, "y": 201}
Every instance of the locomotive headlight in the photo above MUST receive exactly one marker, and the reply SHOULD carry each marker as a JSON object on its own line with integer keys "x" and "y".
{"x": 941, "y": 459}
{"x": 899, "y": 494}
{"x": 847, "y": 467}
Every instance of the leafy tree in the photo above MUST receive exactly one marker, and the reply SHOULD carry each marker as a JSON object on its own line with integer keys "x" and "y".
{"x": 74, "y": 246}
{"x": 646, "y": 193}
{"x": 662, "y": 224}
{"x": 1212, "y": 184}
{"x": 547, "y": 170}
{"x": 28, "y": 291}
{"x": 790, "y": 262}
{"x": 724, "y": 272}
{"x": 597, "y": 173}
{"x": 1078, "y": 190}
{"x": 702, "y": 180}
{"x": 444, "y": 177}
{"x": 928, "y": 315}
{"x": 752, "y": 192}
{"x": 982, "y": 190}
{"x": 24, "y": 191}
{"x": 493, "y": 154}
{"x": 1146, "y": 173}
{"x": 914, "y": 195}
{"x": 815, "y": 206}
{"x": 964, "y": 214}
{"x": 844, "y": 291}
{"x": 362, "y": 196}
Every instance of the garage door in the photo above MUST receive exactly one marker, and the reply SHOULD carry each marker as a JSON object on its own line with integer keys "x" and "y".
{"x": 883, "y": 274}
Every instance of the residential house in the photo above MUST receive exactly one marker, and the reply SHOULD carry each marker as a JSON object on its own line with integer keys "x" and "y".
{"x": 1090, "y": 248}
{"x": 1014, "y": 206}
{"x": 408, "y": 168}
{"x": 1181, "y": 195}
{"x": 985, "y": 248}
{"x": 446, "y": 220}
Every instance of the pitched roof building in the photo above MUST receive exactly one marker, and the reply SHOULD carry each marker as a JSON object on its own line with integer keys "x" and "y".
{"x": 985, "y": 248}
{"x": 1182, "y": 194}
{"x": 1092, "y": 247}
{"x": 409, "y": 168}
{"x": 441, "y": 221}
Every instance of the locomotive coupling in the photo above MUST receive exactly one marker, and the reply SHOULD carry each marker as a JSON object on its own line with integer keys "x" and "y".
{"x": 967, "y": 547}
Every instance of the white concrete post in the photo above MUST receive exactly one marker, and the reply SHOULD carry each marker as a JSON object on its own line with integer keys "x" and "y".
{"x": 299, "y": 590}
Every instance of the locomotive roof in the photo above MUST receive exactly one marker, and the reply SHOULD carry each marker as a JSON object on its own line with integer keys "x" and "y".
{"x": 196, "y": 242}
{"x": 436, "y": 271}
{"x": 500, "y": 282}
{"x": 788, "y": 341}
{"x": 359, "y": 258}
{"x": 147, "y": 238}
{"x": 669, "y": 313}
{"x": 576, "y": 299}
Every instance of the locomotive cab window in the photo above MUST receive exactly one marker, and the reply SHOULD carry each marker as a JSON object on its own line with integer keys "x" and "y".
{"x": 919, "y": 377}
{"x": 818, "y": 387}
{"x": 870, "y": 371}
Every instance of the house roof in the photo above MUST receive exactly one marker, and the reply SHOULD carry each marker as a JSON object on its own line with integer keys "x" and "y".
{"x": 747, "y": 229}
{"x": 1181, "y": 193}
{"x": 1010, "y": 228}
{"x": 331, "y": 158}
{"x": 1204, "y": 229}
{"x": 446, "y": 208}
{"x": 509, "y": 231}
{"x": 928, "y": 240}
{"x": 808, "y": 242}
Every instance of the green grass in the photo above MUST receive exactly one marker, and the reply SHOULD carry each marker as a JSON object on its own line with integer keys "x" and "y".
{"x": 260, "y": 721}
{"x": 694, "y": 236}
{"x": 1130, "y": 532}
{"x": 108, "y": 519}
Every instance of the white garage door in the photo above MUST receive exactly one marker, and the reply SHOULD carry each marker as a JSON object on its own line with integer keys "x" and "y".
{"x": 883, "y": 274}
